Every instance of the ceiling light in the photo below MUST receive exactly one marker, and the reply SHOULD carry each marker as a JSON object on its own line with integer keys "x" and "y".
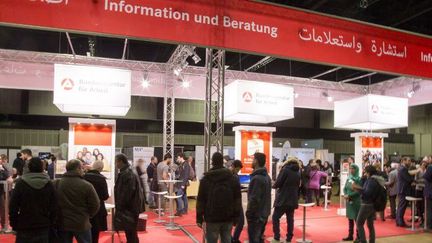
{"x": 177, "y": 70}
{"x": 413, "y": 90}
{"x": 185, "y": 84}
{"x": 196, "y": 58}
{"x": 410, "y": 93}
{"x": 145, "y": 83}
{"x": 326, "y": 95}
{"x": 364, "y": 3}
{"x": 296, "y": 95}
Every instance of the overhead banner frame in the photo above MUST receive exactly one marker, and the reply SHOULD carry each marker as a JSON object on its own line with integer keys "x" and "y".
{"x": 277, "y": 31}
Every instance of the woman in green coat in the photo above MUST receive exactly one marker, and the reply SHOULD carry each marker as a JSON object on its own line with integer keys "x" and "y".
{"x": 353, "y": 199}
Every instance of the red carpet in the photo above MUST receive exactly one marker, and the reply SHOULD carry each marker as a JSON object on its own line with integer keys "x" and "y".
{"x": 322, "y": 227}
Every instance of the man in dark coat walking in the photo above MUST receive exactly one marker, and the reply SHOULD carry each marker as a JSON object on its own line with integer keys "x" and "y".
{"x": 99, "y": 221}
{"x": 287, "y": 185}
{"x": 259, "y": 199}
{"x": 129, "y": 198}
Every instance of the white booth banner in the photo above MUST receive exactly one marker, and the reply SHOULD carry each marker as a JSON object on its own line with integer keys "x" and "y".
{"x": 143, "y": 153}
{"x": 92, "y": 90}
{"x": 258, "y": 102}
{"x": 371, "y": 112}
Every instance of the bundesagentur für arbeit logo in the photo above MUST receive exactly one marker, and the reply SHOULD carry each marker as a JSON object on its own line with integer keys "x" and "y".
{"x": 67, "y": 84}
{"x": 247, "y": 97}
{"x": 375, "y": 108}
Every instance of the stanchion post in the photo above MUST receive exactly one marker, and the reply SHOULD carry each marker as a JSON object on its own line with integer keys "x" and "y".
{"x": 425, "y": 224}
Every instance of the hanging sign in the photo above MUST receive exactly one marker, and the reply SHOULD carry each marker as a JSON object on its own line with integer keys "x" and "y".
{"x": 257, "y": 102}
{"x": 92, "y": 90}
{"x": 371, "y": 112}
{"x": 240, "y": 25}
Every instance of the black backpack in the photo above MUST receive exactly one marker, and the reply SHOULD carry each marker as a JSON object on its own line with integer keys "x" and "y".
{"x": 380, "y": 202}
{"x": 220, "y": 202}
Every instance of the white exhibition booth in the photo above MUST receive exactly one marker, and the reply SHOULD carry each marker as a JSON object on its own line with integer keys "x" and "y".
{"x": 368, "y": 113}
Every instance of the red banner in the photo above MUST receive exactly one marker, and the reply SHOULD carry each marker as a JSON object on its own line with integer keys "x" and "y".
{"x": 239, "y": 25}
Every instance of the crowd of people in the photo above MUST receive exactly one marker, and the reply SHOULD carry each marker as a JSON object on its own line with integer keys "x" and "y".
{"x": 46, "y": 210}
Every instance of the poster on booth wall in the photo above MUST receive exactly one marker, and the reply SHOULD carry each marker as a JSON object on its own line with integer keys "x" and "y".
{"x": 144, "y": 153}
{"x": 91, "y": 142}
{"x": 251, "y": 143}
{"x": 371, "y": 150}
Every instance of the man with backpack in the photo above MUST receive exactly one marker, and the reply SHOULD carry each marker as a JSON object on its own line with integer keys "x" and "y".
{"x": 218, "y": 202}
{"x": 259, "y": 199}
{"x": 373, "y": 199}
{"x": 129, "y": 199}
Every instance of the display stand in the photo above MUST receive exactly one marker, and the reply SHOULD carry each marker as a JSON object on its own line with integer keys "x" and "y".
{"x": 171, "y": 225}
{"x": 171, "y": 197}
{"x": 326, "y": 191}
{"x": 159, "y": 209}
{"x": 303, "y": 239}
{"x": 413, "y": 201}
{"x": 369, "y": 149}
{"x": 248, "y": 141}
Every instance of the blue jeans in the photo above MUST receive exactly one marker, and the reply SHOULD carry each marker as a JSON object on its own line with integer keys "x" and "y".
{"x": 366, "y": 214}
{"x": 182, "y": 202}
{"x": 81, "y": 237}
{"x": 277, "y": 214}
{"x": 256, "y": 231}
{"x": 32, "y": 236}
{"x": 239, "y": 227}
{"x": 216, "y": 230}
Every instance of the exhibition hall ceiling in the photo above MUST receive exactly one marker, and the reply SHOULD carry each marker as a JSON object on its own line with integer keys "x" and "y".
{"x": 408, "y": 15}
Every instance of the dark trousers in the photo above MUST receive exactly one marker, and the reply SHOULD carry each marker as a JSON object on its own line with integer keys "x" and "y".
{"x": 256, "y": 231}
{"x": 95, "y": 235}
{"x": 131, "y": 236}
{"x": 420, "y": 205}
{"x": 392, "y": 200}
{"x": 239, "y": 227}
{"x": 277, "y": 214}
{"x": 351, "y": 229}
{"x": 316, "y": 193}
{"x": 403, "y": 203}
{"x": 32, "y": 236}
{"x": 366, "y": 214}
{"x": 81, "y": 237}
{"x": 429, "y": 213}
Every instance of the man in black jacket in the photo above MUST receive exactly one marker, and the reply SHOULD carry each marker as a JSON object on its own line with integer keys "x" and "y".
{"x": 182, "y": 174}
{"x": 99, "y": 221}
{"x": 218, "y": 202}
{"x": 287, "y": 185}
{"x": 259, "y": 199}
{"x": 33, "y": 205}
{"x": 404, "y": 182}
{"x": 129, "y": 198}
